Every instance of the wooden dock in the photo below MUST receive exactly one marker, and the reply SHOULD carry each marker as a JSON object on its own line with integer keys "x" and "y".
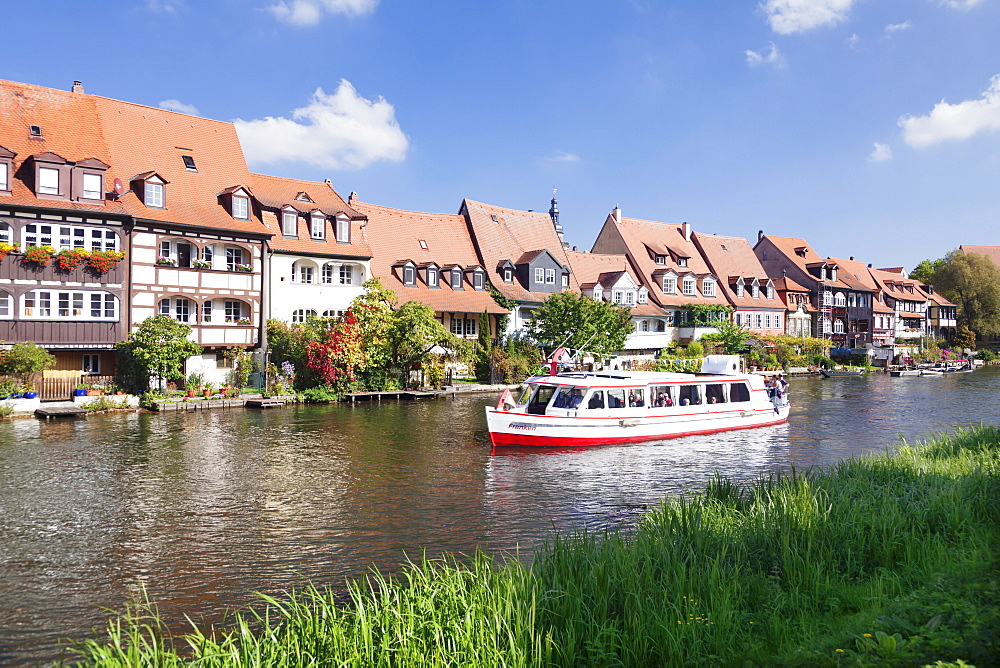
{"x": 392, "y": 395}
{"x": 60, "y": 411}
{"x": 264, "y": 403}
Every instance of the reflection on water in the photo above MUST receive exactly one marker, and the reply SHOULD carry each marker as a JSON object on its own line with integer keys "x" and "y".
{"x": 202, "y": 508}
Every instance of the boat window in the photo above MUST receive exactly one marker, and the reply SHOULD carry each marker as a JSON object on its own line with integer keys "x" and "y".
{"x": 616, "y": 399}
{"x": 690, "y": 395}
{"x": 661, "y": 396}
{"x": 739, "y": 392}
{"x": 715, "y": 393}
{"x": 596, "y": 399}
{"x": 541, "y": 399}
{"x": 568, "y": 397}
{"x": 637, "y": 397}
{"x": 525, "y": 394}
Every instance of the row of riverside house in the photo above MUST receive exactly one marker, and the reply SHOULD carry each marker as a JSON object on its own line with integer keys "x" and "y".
{"x": 213, "y": 245}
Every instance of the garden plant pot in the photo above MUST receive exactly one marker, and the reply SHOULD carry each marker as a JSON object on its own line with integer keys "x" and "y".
{"x": 80, "y": 392}
{"x": 30, "y": 395}
{"x": 94, "y": 393}
{"x": 190, "y": 393}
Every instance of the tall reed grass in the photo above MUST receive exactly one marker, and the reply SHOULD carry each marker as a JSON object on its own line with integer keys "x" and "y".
{"x": 888, "y": 559}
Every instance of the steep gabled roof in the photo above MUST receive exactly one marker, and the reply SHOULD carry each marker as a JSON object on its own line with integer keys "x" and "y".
{"x": 992, "y": 252}
{"x": 733, "y": 256}
{"x": 396, "y": 235}
{"x": 607, "y": 269}
{"x": 508, "y": 234}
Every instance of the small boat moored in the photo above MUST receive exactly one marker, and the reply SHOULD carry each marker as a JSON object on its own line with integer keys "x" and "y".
{"x": 607, "y": 407}
{"x": 831, "y": 373}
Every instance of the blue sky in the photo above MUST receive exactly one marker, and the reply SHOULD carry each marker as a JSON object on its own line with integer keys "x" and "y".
{"x": 872, "y": 129}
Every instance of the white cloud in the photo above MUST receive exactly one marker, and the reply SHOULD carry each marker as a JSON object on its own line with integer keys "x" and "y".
{"x": 881, "y": 153}
{"x": 310, "y": 12}
{"x": 338, "y": 131}
{"x": 562, "y": 156}
{"x": 852, "y": 41}
{"x": 164, "y": 6}
{"x": 962, "y": 5}
{"x": 791, "y": 16}
{"x": 897, "y": 27}
{"x": 177, "y": 105}
{"x": 773, "y": 57}
{"x": 955, "y": 121}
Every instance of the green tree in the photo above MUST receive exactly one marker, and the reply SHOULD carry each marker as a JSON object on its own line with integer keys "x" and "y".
{"x": 484, "y": 351}
{"x": 414, "y": 334}
{"x": 156, "y": 351}
{"x": 925, "y": 271}
{"x": 972, "y": 281}
{"x": 25, "y": 359}
{"x": 733, "y": 337}
{"x": 575, "y": 320}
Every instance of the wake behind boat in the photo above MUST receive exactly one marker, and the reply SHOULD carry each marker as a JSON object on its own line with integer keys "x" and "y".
{"x": 606, "y": 407}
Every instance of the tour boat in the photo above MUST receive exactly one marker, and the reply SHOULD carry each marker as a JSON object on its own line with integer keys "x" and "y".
{"x": 572, "y": 409}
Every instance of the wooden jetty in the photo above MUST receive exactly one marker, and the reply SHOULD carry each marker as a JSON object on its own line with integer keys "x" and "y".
{"x": 60, "y": 411}
{"x": 392, "y": 394}
{"x": 264, "y": 402}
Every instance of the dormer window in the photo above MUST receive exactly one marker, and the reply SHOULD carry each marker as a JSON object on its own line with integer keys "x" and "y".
{"x": 801, "y": 251}
{"x": 682, "y": 262}
{"x": 456, "y": 279}
{"x": 153, "y": 193}
{"x": 598, "y": 292}
{"x": 317, "y": 226}
{"x": 189, "y": 163}
{"x": 643, "y": 296}
{"x": 661, "y": 259}
{"x": 241, "y": 208}
{"x": 770, "y": 290}
{"x": 477, "y": 280}
{"x": 432, "y": 277}
{"x": 508, "y": 276}
{"x": 670, "y": 285}
{"x": 755, "y": 290}
{"x": 688, "y": 286}
{"x": 708, "y": 287}
{"x": 550, "y": 276}
{"x": 565, "y": 280}
{"x": 93, "y": 186}
{"x": 4, "y": 176}
{"x": 740, "y": 287}
{"x": 48, "y": 181}
{"x": 409, "y": 275}
{"x": 289, "y": 223}
{"x": 343, "y": 230}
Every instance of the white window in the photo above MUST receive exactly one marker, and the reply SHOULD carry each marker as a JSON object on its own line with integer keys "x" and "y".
{"x": 539, "y": 275}
{"x": 38, "y": 235}
{"x": 457, "y": 325}
{"x": 688, "y": 286}
{"x": 642, "y": 298}
{"x": 409, "y": 276}
{"x": 838, "y": 326}
{"x": 767, "y": 321}
{"x": 736, "y": 318}
{"x": 739, "y": 288}
{"x": 760, "y": 318}
{"x": 6, "y": 312}
{"x": 344, "y": 230}
{"x": 67, "y": 305}
{"x": 177, "y": 308}
{"x": 154, "y": 195}
{"x": 827, "y": 299}
{"x": 327, "y": 273}
{"x": 617, "y": 297}
{"x": 317, "y": 226}
{"x": 477, "y": 280}
{"x": 644, "y": 326}
{"x": 470, "y": 326}
{"x": 456, "y": 279}
{"x": 670, "y": 285}
{"x": 660, "y": 259}
{"x": 206, "y": 311}
{"x": 241, "y": 208}
{"x": 305, "y": 273}
{"x": 508, "y": 275}
{"x": 550, "y": 276}
{"x": 300, "y": 315}
{"x": 432, "y": 277}
{"x": 48, "y": 181}
{"x": 346, "y": 277}
{"x": 66, "y": 236}
{"x": 333, "y": 313}
{"x": 629, "y": 298}
{"x": 839, "y": 299}
{"x": 4, "y": 176}
{"x": 234, "y": 257}
{"x": 289, "y": 223}
{"x": 755, "y": 290}
{"x": 598, "y": 293}
{"x": 682, "y": 262}
{"x": 708, "y": 287}
{"x": 93, "y": 186}
{"x": 777, "y": 321}
{"x": 234, "y": 310}
{"x": 91, "y": 364}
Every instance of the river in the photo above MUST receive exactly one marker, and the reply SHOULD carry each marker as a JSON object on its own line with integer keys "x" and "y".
{"x": 202, "y": 508}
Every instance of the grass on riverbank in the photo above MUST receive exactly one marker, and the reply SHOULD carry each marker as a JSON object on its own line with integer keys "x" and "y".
{"x": 881, "y": 560}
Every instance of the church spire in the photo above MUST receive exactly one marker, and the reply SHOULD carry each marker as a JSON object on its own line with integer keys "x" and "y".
{"x": 554, "y": 215}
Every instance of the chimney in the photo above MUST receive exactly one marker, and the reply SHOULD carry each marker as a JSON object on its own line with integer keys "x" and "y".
{"x": 353, "y": 196}
{"x": 852, "y": 258}
{"x": 617, "y": 213}
{"x": 869, "y": 265}
{"x": 77, "y": 87}
{"x": 760, "y": 235}
{"x": 686, "y": 230}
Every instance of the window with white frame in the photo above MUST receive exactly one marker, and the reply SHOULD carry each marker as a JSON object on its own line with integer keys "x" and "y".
{"x": 343, "y": 230}
{"x": 617, "y": 296}
{"x": 550, "y": 276}
{"x": 838, "y": 326}
{"x": 457, "y": 325}
{"x": 755, "y": 290}
{"x": 432, "y": 277}
{"x": 661, "y": 259}
{"x": 91, "y": 364}
{"x": 48, "y": 181}
{"x": 206, "y": 311}
{"x": 708, "y": 287}
{"x": 682, "y": 262}
{"x": 629, "y": 298}
{"x": 471, "y": 326}
{"x": 839, "y": 299}
{"x": 598, "y": 294}
{"x": 827, "y": 299}
{"x": 93, "y": 186}
{"x": 241, "y": 208}
{"x": 508, "y": 276}
{"x": 4, "y": 176}
{"x": 4, "y": 232}
{"x": 539, "y": 275}
{"x": 760, "y": 319}
{"x": 477, "y": 280}
{"x": 304, "y": 273}
{"x": 456, "y": 279}
{"x": 153, "y": 194}
{"x": 178, "y": 308}
{"x": 670, "y": 285}
{"x": 69, "y": 236}
{"x": 317, "y": 226}
{"x": 235, "y": 310}
{"x": 235, "y": 256}
{"x": 739, "y": 288}
{"x": 327, "y": 272}
{"x": 346, "y": 275}
{"x": 777, "y": 321}
{"x": 643, "y": 296}
{"x": 688, "y": 286}
{"x": 289, "y": 223}
{"x": 300, "y": 315}
{"x": 333, "y": 313}
{"x": 69, "y": 305}
{"x": 6, "y": 310}
{"x": 409, "y": 275}
{"x": 767, "y": 321}
{"x": 565, "y": 279}
{"x": 770, "y": 291}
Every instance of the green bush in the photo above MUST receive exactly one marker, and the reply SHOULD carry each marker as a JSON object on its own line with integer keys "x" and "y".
{"x": 320, "y": 395}
{"x": 986, "y": 355}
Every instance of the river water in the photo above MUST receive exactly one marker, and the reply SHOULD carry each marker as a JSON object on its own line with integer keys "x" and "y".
{"x": 202, "y": 508}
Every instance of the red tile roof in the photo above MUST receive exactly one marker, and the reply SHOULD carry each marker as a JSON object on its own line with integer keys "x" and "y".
{"x": 513, "y": 235}
{"x": 992, "y": 252}
{"x": 395, "y": 236}
{"x": 593, "y": 268}
{"x": 734, "y": 257}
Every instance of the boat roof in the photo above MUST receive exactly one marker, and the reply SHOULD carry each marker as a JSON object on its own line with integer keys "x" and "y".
{"x": 629, "y": 378}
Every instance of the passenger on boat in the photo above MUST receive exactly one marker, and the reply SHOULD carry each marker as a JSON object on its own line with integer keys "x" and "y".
{"x": 575, "y": 399}
{"x": 685, "y": 402}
